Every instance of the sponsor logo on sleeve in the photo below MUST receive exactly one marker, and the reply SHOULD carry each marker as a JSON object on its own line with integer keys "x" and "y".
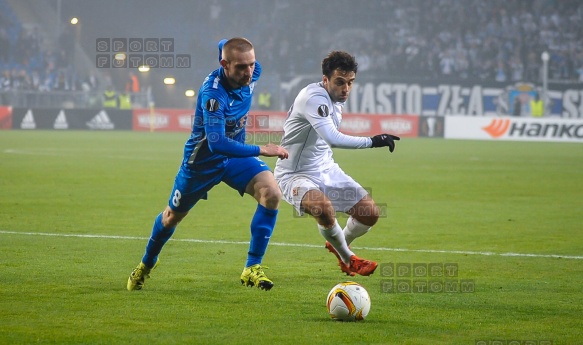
{"x": 323, "y": 110}
{"x": 212, "y": 105}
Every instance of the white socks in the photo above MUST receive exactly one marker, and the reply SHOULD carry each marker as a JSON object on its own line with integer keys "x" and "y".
{"x": 335, "y": 236}
{"x": 341, "y": 239}
{"x": 354, "y": 229}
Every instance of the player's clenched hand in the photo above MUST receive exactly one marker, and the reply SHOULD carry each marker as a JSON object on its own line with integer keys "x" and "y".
{"x": 272, "y": 150}
{"x": 382, "y": 140}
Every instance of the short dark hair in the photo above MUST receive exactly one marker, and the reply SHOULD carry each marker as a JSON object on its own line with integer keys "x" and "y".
{"x": 239, "y": 44}
{"x": 338, "y": 60}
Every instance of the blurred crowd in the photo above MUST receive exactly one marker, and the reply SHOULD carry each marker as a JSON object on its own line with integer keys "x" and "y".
{"x": 27, "y": 64}
{"x": 494, "y": 40}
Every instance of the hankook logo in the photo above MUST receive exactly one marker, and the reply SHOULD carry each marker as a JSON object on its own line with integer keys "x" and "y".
{"x": 497, "y": 128}
{"x": 531, "y": 129}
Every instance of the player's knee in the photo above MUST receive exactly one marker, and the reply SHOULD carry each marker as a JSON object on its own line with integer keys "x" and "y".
{"x": 271, "y": 197}
{"x": 367, "y": 214}
{"x": 171, "y": 218}
{"x": 370, "y": 220}
{"x": 323, "y": 210}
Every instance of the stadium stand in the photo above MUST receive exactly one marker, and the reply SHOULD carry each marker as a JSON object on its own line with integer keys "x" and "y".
{"x": 496, "y": 40}
{"x": 490, "y": 41}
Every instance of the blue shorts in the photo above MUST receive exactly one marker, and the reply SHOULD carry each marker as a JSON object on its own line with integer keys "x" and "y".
{"x": 191, "y": 186}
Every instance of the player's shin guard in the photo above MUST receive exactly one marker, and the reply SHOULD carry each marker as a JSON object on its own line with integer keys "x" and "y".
{"x": 160, "y": 235}
{"x": 335, "y": 236}
{"x": 354, "y": 229}
{"x": 261, "y": 229}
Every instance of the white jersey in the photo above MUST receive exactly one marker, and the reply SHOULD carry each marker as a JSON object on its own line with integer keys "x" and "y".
{"x": 310, "y": 132}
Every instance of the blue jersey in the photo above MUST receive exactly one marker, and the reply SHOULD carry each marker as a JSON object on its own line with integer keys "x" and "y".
{"x": 218, "y": 130}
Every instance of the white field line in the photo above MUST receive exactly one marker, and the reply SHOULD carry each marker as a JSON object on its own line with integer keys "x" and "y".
{"x": 302, "y": 245}
{"x": 70, "y": 153}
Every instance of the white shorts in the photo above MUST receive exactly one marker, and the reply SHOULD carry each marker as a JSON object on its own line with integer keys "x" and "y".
{"x": 340, "y": 188}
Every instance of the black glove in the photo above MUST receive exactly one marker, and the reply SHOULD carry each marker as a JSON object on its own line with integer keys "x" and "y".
{"x": 383, "y": 140}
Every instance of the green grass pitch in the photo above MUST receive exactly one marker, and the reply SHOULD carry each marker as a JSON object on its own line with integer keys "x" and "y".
{"x": 479, "y": 205}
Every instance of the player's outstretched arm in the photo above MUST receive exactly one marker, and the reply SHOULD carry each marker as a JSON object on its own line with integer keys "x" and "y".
{"x": 272, "y": 150}
{"x": 382, "y": 140}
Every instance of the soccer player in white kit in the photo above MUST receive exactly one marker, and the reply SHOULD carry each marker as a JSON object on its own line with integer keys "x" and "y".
{"x": 310, "y": 180}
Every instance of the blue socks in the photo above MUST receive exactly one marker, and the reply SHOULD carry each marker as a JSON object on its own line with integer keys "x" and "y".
{"x": 158, "y": 239}
{"x": 261, "y": 229}
{"x": 262, "y": 226}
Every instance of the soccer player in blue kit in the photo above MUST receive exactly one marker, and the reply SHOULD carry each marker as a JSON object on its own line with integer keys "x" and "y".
{"x": 216, "y": 152}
